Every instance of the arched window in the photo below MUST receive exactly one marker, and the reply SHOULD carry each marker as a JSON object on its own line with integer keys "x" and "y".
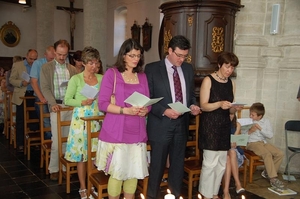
{"x": 119, "y": 28}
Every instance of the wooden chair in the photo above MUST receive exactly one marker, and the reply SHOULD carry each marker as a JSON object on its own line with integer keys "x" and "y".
{"x": 71, "y": 167}
{"x": 142, "y": 185}
{"x": 45, "y": 144}
{"x": 252, "y": 160}
{"x": 95, "y": 177}
{"x": 12, "y": 108}
{"x": 31, "y": 137}
{"x": 192, "y": 165}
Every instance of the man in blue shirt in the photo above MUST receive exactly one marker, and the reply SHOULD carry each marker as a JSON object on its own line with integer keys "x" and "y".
{"x": 35, "y": 83}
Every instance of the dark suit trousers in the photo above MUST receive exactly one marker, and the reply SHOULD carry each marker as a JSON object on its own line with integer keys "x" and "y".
{"x": 20, "y": 119}
{"x": 172, "y": 142}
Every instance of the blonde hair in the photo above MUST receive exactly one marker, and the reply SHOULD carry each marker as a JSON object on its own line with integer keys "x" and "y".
{"x": 17, "y": 58}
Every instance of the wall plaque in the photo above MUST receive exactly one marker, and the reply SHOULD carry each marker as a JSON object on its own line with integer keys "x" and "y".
{"x": 10, "y": 34}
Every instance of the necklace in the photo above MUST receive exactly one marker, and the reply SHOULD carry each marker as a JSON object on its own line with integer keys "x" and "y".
{"x": 89, "y": 77}
{"x": 220, "y": 78}
{"x": 134, "y": 79}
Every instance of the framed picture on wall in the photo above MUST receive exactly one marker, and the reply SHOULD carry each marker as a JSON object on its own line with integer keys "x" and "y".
{"x": 136, "y": 32}
{"x": 10, "y": 34}
{"x": 147, "y": 35}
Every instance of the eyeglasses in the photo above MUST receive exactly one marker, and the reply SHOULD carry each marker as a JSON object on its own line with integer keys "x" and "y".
{"x": 134, "y": 56}
{"x": 181, "y": 56}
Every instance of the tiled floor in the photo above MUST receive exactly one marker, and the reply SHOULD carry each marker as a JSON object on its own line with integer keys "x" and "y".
{"x": 20, "y": 179}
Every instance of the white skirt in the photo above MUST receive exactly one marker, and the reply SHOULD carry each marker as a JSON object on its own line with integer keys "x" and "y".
{"x": 122, "y": 161}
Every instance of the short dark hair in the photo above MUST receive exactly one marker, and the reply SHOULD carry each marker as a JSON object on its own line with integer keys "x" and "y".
{"x": 63, "y": 43}
{"x": 77, "y": 55}
{"x": 180, "y": 42}
{"x": 258, "y": 108}
{"x": 228, "y": 58}
{"x": 126, "y": 47}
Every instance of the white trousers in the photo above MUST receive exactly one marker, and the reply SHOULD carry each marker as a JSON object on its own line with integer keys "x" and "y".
{"x": 54, "y": 156}
{"x": 213, "y": 168}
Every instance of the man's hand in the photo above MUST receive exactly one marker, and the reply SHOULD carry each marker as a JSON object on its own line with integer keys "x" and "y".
{"x": 55, "y": 108}
{"x": 172, "y": 114}
{"x": 24, "y": 83}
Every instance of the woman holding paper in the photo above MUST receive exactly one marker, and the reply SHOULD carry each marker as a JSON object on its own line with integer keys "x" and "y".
{"x": 76, "y": 150}
{"x": 122, "y": 146}
{"x": 216, "y": 97}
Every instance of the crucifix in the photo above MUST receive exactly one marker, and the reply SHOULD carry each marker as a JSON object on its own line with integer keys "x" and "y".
{"x": 72, "y": 12}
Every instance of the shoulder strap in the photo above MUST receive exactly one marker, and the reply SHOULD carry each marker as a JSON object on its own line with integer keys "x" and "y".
{"x": 115, "y": 79}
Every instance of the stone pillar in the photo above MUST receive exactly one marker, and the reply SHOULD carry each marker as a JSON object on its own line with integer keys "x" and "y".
{"x": 95, "y": 28}
{"x": 44, "y": 25}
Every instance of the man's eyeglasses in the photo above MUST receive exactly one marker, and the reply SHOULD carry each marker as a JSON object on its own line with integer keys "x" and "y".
{"x": 134, "y": 56}
{"x": 181, "y": 56}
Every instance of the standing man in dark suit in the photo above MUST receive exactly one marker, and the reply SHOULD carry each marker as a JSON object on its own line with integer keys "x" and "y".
{"x": 167, "y": 129}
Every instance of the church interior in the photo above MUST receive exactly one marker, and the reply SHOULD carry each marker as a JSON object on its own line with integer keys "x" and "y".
{"x": 264, "y": 34}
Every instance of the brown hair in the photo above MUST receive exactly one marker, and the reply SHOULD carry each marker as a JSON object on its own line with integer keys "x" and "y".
{"x": 228, "y": 58}
{"x": 126, "y": 47}
{"x": 258, "y": 108}
{"x": 62, "y": 43}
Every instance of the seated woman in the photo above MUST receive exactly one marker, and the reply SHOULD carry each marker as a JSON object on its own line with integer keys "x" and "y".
{"x": 235, "y": 159}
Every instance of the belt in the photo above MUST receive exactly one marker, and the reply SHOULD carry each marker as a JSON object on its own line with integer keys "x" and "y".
{"x": 59, "y": 101}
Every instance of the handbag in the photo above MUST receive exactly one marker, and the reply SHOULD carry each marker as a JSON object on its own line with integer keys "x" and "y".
{"x": 113, "y": 97}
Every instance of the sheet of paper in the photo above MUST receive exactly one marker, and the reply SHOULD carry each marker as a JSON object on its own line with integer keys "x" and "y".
{"x": 237, "y": 104}
{"x": 64, "y": 83}
{"x": 240, "y": 140}
{"x": 246, "y": 124}
{"x": 25, "y": 76}
{"x": 179, "y": 107}
{"x": 140, "y": 100}
{"x": 89, "y": 91}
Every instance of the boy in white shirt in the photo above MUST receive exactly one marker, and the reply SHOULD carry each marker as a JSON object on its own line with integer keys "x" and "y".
{"x": 272, "y": 156}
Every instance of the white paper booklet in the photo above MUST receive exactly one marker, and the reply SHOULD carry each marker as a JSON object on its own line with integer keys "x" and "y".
{"x": 237, "y": 104}
{"x": 89, "y": 91}
{"x": 240, "y": 140}
{"x": 246, "y": 124}
{"x": 25, "y": 76}
{"x": 179, "y": 107}
{"x": 282, "y": 192}
{"x": 64, "y": 83}
{"x": 140, "y": 100}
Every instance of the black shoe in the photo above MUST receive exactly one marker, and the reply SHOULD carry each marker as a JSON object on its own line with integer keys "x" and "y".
{"x": 20, "y": 149}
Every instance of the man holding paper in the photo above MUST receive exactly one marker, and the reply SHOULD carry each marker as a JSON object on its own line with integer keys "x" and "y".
{"x": 52, "y": 75}
{"x": 172, "y": 79}
{"x": 20, "y": 79}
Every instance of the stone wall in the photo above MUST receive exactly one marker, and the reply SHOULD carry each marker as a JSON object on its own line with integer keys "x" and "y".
{"x": 269, "y": 70}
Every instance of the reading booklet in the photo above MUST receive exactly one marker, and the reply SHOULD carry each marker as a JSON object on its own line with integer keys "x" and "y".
{"x": 140, "y": 100}
{"x": 246, "y": 123}
{"x": 237, "y": 104}
{"x": 240, "y": 140}
{"x": 64, "y": 83}
{"x": 25, "y": 76}
{"x": 89, "y": 91}
{"x": 179, "y": 107}
{"x": 282, "y": 192}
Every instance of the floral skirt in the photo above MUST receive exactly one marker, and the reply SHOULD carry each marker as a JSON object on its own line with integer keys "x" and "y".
{"x": 122, "y": 161}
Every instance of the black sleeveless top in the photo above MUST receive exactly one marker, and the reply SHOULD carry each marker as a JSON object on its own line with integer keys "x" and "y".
{"x": 215, "y": 126}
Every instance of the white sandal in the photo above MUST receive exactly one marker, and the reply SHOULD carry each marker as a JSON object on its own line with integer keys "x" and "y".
{"x": 82, "y": 193}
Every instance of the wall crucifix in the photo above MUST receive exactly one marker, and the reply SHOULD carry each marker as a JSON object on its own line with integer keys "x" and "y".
{"x": 72, "y": 12}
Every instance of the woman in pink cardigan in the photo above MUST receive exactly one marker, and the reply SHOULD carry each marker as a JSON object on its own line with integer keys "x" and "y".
{"x": 122, "y": 143}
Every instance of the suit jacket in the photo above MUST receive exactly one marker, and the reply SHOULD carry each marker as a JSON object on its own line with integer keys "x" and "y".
{"x": 159, "y": 86}
{"x": 16, "y": 80}
{"x": 46, "y": 81}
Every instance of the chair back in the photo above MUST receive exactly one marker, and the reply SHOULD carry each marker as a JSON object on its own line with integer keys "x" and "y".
{"x": 95, "y": 177}
{"x": 291, "y": 127}
{"x": 43, "y": 129}
{"x": 12, "y": 108}
{"x": 192, "y": 145}
{"x": 61, "y": 123}
{"x": 240, "y": 113}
